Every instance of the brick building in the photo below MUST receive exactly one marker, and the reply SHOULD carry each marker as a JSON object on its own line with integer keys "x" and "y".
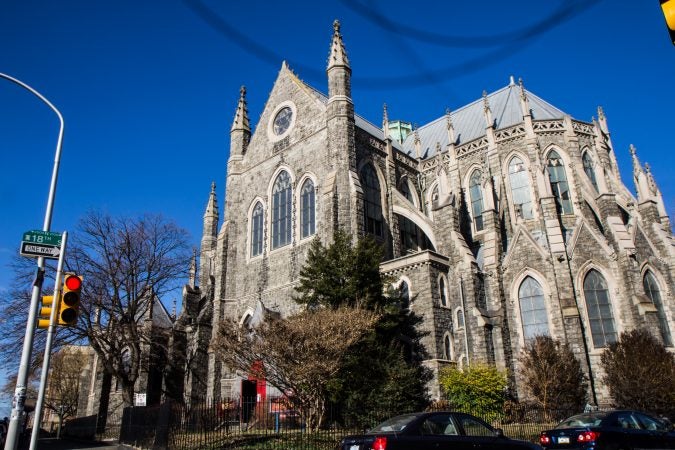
{"x": 502, "y": 219}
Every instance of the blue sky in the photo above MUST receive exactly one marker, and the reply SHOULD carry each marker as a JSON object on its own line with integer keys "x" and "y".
{"x": 148, "y": 89}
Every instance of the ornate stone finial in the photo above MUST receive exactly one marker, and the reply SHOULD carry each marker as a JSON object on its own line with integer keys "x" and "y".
{"x": 601, "y": 113}
{"x": 417, "y": 141}
{"x": 385, "y": 116}
{"x": 487, "y": 111}
{"x": 450, "y": 127}
{"x": 336, "y": 26}
{"x": 523, "y": 95}
{"x": 637, "y": 168}
{"x": 213, "y": 187}
{"x": 173, "y": 310}
{"x": 512, "y": 81}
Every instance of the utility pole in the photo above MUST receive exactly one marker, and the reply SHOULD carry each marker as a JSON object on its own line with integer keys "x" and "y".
{"x": 19, "y": 399}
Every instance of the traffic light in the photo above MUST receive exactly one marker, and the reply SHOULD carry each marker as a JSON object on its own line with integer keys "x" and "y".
{"x": 668, "y": 7}
{"x": 46, "y": 311}
{"x": 70, "y": 299}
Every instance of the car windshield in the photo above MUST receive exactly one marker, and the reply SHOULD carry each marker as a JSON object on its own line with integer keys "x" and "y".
{"x": 583, "y": 420}
{"x": 397, "y": 423}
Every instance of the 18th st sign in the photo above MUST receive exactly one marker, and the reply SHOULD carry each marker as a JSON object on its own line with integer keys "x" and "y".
{"x": 36, "y": 243}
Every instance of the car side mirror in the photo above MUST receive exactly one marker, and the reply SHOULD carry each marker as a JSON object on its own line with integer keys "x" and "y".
{"x": 499, "y": 433}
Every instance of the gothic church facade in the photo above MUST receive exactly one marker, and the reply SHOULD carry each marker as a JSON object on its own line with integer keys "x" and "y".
{"x": 501, "y": 220}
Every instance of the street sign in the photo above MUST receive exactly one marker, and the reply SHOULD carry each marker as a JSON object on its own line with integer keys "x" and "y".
{"x": 42, "y": 237}
{"x": 44, "y": 250}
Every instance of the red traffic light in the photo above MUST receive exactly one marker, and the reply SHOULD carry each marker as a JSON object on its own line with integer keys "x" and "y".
{"x": 73, "y": 282}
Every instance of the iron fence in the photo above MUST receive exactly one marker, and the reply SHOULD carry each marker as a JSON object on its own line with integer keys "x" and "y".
{"x": 273, "y": 425}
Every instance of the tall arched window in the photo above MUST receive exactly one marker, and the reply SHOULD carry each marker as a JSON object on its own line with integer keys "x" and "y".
{"x": 459, "y": 318}
{"x": 307, "y": 210}
{"x": 476, "y": 196}
{"x": 404, "y": 293}
{"x": 532, "y": 309}
{"x": 444, "y": 295}
{"x": 599, "y": 309}
{"x": 558, "y": 180}
{"x": 520, "y": 188}
{"x": 282, "y": 203}
{"x": 447, "y": 347}
{"x": 257, "y": 230}
{"x": 588, "y": 168}
{"x": 372, "y": 209}
{"x": 654, "y": 293}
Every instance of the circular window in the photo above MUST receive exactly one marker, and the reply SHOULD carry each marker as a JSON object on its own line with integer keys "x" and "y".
{"x": 282, "y": 121}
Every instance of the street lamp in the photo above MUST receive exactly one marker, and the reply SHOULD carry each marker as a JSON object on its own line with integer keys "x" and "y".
{"x": 22, "y": 377}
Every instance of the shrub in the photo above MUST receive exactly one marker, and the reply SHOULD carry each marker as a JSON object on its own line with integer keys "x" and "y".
{"x": 479, "y": 389}
{"x": 552, "y": 376}
{"x": 640, "y": 373}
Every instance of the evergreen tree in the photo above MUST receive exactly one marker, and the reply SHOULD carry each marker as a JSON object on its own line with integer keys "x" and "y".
{"x": 382, "y": 373}
{"x": 342, "y": 274}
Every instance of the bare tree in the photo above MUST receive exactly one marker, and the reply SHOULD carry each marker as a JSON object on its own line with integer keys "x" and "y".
{"x": 552, "y": 376}
{"x": 297, "y": 355}
{"x": 127, "y": 265}
{"x": 62, "y": 393}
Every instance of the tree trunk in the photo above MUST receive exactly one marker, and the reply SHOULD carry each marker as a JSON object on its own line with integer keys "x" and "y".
{"x": 128, "y": 394}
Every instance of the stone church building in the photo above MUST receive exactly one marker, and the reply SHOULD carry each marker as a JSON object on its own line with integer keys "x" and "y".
{"x": 503, "y": 219}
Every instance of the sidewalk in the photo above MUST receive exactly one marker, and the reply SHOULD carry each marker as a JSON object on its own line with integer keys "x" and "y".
{"x": 68, "y": 444}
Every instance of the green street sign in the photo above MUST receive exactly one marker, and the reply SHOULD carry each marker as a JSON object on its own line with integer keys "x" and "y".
{"x": 42, "y": 237}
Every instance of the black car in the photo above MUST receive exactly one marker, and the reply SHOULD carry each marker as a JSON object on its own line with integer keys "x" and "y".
{"x": 434, "y": 430}
{"x": 610, "y": 430}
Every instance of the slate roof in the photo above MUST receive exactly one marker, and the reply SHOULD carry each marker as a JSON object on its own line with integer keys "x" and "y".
{"x": 469, "y": 121}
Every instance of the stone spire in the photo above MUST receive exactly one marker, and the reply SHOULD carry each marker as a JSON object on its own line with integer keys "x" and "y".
{"x": 417, "y": 141}
{"x": 209, "y": 238}
{"x": 339, "y": 71}
{"x": 338, "y": 55}
{"x": 602, "y": 120}
{"x": 240, "y": 133}
{"x": 211, "y": 211}
{"x": 241, "y": 121}
{"x": 524, "y": 102}
{"x": 650, "y": 179}
{"x": 641, "y": 183}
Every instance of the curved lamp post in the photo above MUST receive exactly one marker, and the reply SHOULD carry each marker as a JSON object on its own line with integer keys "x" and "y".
{"x": 22, "y": 377}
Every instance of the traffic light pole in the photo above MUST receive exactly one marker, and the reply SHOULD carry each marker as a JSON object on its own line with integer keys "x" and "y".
{"x": 19, "y": 399}
{"x": 37, "y": 415}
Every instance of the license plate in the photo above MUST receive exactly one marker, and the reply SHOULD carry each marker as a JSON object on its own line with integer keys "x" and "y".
{"x": 564, "y": 440}
{"x": 354, "y": 447}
